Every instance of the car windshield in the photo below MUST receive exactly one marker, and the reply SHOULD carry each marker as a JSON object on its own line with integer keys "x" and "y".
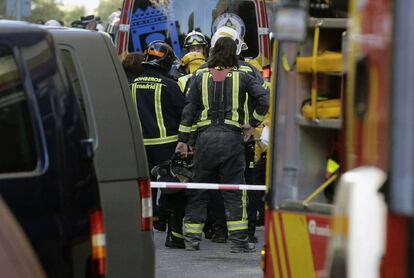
{"x": 173, "y": 21}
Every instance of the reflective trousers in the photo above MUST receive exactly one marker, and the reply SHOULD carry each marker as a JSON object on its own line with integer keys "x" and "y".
{"x": 219, "y": 158}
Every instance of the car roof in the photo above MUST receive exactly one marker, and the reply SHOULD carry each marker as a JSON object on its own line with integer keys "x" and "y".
{"x": 65, "y": 32}
{"x": 20, "y": 32}
{"x": 64, "y": 28}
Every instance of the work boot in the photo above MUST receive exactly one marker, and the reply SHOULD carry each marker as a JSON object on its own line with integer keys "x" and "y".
{"x": 192, "y": 246}
{"x": 219, "y": 238}
{"x": 251, "y": 232}
{"x": 244, "y": 248}
{"x": 174, "y": 242}
{"x": 208, "y": 233}
{"x": 253, "y": 239}
{"x": 192, "y": 240}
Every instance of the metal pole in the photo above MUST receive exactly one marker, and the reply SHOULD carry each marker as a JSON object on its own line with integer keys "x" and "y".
{"x": 18, "y": 9}
{"x": 401, "y": 190}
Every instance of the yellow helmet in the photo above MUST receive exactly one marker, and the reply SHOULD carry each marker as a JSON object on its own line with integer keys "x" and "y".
{"x": 192, "y": 61}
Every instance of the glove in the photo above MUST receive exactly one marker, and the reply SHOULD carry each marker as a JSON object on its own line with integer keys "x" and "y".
{"x": 247, "y": 132}
{"x": 183, "y": 149}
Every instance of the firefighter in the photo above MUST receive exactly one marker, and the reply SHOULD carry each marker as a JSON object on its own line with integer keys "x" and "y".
{"x": 159, "y": 102}
{"x": 195, "y": 44}
{"x": 215, "y": 104}
{"x": 174, "y": 170}
{"x": 254, "y": 70}
{"x": 216, "y": 214}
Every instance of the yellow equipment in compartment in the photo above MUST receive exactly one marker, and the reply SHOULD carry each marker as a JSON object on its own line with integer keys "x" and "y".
{"x": 326, "y": 109}
{"x": 327, "y": 61}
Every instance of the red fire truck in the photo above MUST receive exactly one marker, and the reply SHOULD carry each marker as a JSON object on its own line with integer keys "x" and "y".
{"x": 372, "y": 228}
{"x": 308, "y": 133}
{"x": 367, "y": 230}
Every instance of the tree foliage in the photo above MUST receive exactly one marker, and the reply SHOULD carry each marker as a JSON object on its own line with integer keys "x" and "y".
{"x": 46, "y": 9}
{"x": 2, "y": 8}
{"x": 74, "y": 14}
{"x": 49, "y": 9}
{"x": 52, "y": 9}
{"x": 106, "y": 7}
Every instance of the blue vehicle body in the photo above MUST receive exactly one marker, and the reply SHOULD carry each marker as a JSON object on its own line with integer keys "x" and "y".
{"x": 46, "y": 168}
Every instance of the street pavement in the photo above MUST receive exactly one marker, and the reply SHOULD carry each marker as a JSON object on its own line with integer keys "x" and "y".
{"x": 213, "y": 260}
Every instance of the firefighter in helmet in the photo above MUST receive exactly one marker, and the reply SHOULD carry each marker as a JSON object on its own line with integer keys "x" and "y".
{"x": 159, "y": 102}
{"x": 215, "y": 104}
{"x": 195, "y": 44}
{"x": 216, "y": 204}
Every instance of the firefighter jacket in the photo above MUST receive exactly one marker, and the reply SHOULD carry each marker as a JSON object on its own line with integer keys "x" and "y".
{"x": 159, "y": 102}
{"x": 247, "y": 68}
{"x": 212, "y": 102}
{"x": 253, "y": 72}
{"x": 183, "y": 81}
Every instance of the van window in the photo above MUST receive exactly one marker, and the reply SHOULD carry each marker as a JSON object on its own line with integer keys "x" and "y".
{"x": 17, "y": 143}
{"x": 74, "y": 81}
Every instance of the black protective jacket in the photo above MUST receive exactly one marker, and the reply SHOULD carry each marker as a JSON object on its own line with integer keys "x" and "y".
{"x": 159, "y": 102}
{"x": 213, "y": 99}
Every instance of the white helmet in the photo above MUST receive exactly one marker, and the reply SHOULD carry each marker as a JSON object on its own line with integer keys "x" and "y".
{"x": 225, "y": 31}
{"x": 53, "y": 22}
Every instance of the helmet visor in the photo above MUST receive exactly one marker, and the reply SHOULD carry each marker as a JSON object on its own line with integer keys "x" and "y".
{"x": 156, "y": 49}
{"x": 157, "y": 53}
{"x": 194, "y": 40}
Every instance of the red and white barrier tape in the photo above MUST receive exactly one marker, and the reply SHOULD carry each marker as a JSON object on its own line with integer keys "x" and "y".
{"x": 216, "y": 186}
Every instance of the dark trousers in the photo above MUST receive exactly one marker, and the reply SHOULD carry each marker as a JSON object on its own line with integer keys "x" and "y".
{"x": 219, "y": 158}
{"x": 249, "y": 148}
{"x": 256, "y": 198}
{"x": 175, "y": 204}
{"x": 216, "y": 216}
{"x": 156, "y": 155}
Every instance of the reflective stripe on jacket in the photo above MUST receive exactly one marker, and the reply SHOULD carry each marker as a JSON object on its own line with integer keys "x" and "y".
{"x": 210, "y": 102}
{"x": 159, "y": 102}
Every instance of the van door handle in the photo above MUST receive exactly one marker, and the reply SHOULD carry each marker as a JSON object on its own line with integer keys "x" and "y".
{"x": 87, "y": 148}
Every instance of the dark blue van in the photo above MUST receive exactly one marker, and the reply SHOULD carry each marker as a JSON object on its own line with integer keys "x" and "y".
{"x": 47, "y": 176}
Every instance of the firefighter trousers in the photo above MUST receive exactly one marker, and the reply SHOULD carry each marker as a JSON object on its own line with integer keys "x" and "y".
{"x": 156, "y": 155}
{"x": 176, "y": 208}
{"x": 219, "y": 158}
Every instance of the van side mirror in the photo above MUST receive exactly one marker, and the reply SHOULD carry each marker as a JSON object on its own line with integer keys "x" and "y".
{"x": 87, "y": 148}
